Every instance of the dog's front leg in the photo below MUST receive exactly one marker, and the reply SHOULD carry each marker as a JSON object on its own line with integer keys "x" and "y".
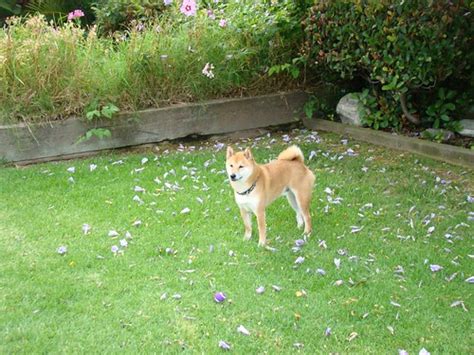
{"x": 247, "y": 218}
{"x": 262, "y": 228}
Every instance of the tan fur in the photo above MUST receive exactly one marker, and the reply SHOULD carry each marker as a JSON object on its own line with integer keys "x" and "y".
{"x": 292, "y": 153}
{"x": 285, "y": 176}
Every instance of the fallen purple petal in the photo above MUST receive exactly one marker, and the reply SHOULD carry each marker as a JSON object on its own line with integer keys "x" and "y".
{"x": 299, "y": 260}
{"x": 62, "y": 250}
{"x": 260, "y": 290}
{"x": 299, "y": 242}
{"x": 435, "y": 268}
{"x": 224, "y": 345}
{"x": 470, "y": 280}
{"x": 219, "y": 297}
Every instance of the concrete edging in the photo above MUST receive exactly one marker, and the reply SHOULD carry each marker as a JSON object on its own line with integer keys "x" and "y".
{"x": 442, "y": 152}
{"x": 59, "y": 140}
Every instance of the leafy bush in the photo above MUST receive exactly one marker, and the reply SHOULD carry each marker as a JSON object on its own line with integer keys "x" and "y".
{"x": 399, "y": 47}
{"x": 52, "y": 9}
{"x": 113, "y": 15}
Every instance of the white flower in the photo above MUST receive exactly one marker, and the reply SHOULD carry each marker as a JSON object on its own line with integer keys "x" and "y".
{"x": 207, "y": 70}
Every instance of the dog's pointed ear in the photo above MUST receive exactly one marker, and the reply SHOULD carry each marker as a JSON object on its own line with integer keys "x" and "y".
{"x": 230, "y": 152}
{"x": 248, "y": 154}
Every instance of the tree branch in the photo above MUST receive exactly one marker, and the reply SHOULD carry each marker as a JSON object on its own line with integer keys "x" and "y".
{"x": 413, "y": 119}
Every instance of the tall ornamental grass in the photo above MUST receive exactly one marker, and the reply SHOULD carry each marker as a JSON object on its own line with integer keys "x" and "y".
{"x": 52, "y": 71}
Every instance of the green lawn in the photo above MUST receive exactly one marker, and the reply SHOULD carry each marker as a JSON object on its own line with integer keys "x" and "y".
{"x": 413, "y": 212}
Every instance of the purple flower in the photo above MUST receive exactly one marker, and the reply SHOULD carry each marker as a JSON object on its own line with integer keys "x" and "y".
{"x": 62, "y": 250}
{"x": 260, "y": 290}
{"x": 219, "y": 297}
{"x": 114, "y": 249}
{"x": 167, "y": 2}
{"x": 123, "y": 243}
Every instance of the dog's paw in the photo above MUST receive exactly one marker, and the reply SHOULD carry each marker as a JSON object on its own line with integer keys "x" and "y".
{"x": 299, "y": 221}
{"x": 247, "y": 236}
{"x": 262, "y": 243}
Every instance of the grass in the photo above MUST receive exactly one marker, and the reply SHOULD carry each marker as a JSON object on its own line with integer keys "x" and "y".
{"x": 89, "y": 300}
{"x": 51, "y": 72}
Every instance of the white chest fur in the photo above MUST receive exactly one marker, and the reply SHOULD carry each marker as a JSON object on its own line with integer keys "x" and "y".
{"x": 247, "y": 202}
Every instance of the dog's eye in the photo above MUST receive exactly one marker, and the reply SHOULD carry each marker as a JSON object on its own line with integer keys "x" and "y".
{"x": 231, "y": 165}
{"x": 241, "y": 166}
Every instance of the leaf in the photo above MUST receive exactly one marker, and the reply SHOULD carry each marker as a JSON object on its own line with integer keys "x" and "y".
{"x": 273, "y": 70}
{"x": 109, "y": 110}
{"x": 91, "y": 114}
{"x": 295, "y": 72}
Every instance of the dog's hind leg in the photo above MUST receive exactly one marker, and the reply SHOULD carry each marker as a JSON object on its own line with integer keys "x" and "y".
{"x": 247, "y": 218}
{"x": 304, "y": 200}
{"x": 294, "y": 204}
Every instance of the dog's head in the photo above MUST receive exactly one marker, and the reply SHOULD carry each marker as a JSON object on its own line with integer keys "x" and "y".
{"x": 239, "y": 165}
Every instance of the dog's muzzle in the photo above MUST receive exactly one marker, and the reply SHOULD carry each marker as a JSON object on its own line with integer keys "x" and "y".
{"x": 234, "y": 177}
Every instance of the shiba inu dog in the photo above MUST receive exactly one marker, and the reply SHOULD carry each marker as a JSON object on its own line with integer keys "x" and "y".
{"x": 256, "y": 186}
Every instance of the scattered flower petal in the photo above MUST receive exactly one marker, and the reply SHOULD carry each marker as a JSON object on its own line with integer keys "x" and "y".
{"x": 224, "y": 345}
{"x": 86, "y": 228}
{"x": 242, "y": 330}
{"x": 219, "y": 297}
{"x": 435, "y": 268}
{"x": 299, "y": 260}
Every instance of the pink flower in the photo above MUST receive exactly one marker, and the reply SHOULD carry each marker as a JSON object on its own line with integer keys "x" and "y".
{"x": 211, "y": 15}
{"x": 223, "y": 23}
{"x": 188, "y": 7}
{"x": 75, "y": 14}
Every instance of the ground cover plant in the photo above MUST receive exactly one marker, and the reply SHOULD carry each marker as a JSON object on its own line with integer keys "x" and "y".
{"x": 125, "y": 252}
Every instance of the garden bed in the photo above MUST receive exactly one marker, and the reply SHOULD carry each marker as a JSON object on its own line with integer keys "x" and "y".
{"x": 56, "y": 140}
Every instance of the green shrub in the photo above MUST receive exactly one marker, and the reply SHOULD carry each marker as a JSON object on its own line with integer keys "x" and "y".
{"x": 399, "y": 47}
{"x": 116, "y": 15}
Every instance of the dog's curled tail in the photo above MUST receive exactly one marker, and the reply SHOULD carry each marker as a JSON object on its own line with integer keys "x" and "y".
{"x": 292, "y": 153}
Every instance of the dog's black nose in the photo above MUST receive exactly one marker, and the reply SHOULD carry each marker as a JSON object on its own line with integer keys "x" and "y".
{"x": 232, "y": 176}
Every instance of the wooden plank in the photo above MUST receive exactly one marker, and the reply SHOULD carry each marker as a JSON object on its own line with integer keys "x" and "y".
{"x": 442, "y": 152}
{"x": 60, "y": 139}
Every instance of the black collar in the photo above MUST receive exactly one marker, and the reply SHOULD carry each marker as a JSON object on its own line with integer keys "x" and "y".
{"x": 249, "y": 190}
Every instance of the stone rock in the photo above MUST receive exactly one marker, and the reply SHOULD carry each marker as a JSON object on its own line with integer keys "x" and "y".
{"x": 467, "y": 128}
{"x": 434, "y": 133}
{"x": 348, "y": 110}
